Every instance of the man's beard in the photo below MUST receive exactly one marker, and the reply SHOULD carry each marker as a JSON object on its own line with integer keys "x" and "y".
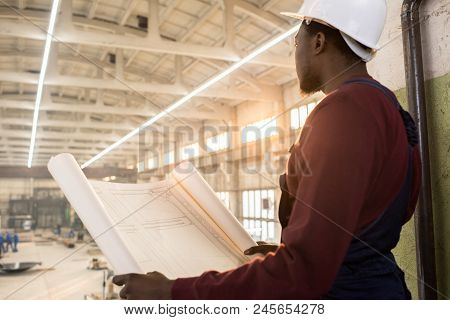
{"x": 309, "y": 82}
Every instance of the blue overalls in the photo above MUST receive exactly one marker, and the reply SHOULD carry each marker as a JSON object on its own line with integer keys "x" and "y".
{"x": 369, "y": 270}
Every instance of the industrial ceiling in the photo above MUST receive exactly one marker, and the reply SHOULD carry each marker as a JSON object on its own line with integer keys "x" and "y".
{"x": 114, "y": 64}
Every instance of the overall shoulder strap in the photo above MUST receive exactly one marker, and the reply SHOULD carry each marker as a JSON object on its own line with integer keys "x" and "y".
{"x": 408, "y": 121}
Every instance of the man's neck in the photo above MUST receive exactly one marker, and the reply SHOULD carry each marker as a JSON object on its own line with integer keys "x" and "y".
{"x": 334, "y": 78}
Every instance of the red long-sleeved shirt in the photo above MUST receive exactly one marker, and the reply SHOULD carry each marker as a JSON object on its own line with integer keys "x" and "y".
{"x": 348, "y": 166}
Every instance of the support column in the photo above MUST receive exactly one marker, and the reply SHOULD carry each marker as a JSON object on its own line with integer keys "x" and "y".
{"x": 64, "y": 23}
{"x": 178, "y": 70}
{"x": 229, "y": 23}
{"x": 119, "y": 64}
{"x": 153, "y": 23}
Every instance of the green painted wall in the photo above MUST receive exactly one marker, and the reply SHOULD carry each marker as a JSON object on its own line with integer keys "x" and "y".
{"x": 438, "y": 111}
{"x": 405, "y": 252}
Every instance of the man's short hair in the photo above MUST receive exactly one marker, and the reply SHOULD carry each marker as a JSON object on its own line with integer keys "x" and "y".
{"x": 335, "y": 37}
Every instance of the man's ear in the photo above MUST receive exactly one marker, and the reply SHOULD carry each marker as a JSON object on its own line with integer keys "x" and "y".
{"x": 319, "y": 43}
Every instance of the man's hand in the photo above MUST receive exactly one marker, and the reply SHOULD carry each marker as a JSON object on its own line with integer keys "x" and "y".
{"x": 262, "y": 247}
{"x": 150, "y": 286}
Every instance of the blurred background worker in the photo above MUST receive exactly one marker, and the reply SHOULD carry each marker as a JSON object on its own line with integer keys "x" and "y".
{"x": 8, "y": 241}
{"x": 352, "y": 179}
{"x": 2, "y": 249}
{"x": 15, "y": 241}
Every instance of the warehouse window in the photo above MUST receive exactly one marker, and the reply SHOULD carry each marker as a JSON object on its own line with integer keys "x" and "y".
{"x": 218, "y": 142}
{"x": 153, "y": 163}
{"x": 259, "y": 130}
{"x": 190, "y": 151}
{"x": 225, "y": 197}
{"x": 258, "y": 213}
{"x": 169, "y": 157}
{"x": 299, "y": 115}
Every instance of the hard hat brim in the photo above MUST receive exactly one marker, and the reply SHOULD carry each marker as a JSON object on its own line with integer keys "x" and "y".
{"x": 365, "y": 54}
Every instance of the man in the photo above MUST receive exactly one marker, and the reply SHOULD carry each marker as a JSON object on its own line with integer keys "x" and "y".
{"x": 8, "y": 239}
{"x": 15, "y": 241}
{"x": 352, "y": 179}
{"x": 2, "y": 248}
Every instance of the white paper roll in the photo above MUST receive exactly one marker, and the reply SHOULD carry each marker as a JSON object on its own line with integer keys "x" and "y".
{"x": 81, "y": 195}
{"x": 192, "y": 181}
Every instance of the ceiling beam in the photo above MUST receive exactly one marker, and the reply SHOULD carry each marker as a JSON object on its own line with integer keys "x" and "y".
{"x": 94, "y": 38}
{"x": 43, "y": 173}
{"x": 54, "y": 147}
{"x": 21, "y": 4}
{"x": 49, "y": 150}
{"x": 44, "y": 143}
{"x": 268, "y": 93}
{"x": 87, "y": 135}
{"x": 128, "y": 10}
{"x": 240, "y": 74}
{"x": 76, "y": 135}
{"x": 45, "y": 157}
{"x": 189, "y": 32}
{"x": 45, "y": 153}
{"x": 95, "y": 64}
{"x": 261, "y": 15}
{"x": 122, "y": 126}
{"x": 92, "y": 9}
{"x": 89, "y": 108}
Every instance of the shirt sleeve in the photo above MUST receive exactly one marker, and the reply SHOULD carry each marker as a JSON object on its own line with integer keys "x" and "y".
{"x": 333, "y": 164}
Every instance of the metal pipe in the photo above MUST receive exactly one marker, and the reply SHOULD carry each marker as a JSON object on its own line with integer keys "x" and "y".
{"x": 424, "y": 227}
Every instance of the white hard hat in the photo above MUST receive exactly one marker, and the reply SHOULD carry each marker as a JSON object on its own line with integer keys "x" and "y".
{"x": 358, "y": 21}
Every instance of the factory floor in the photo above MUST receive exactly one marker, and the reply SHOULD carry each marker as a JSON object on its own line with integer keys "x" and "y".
{"x": 62, "y": 275}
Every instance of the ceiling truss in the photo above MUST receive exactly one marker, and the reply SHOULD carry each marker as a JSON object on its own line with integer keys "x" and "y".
{"x": 96, "y": 89}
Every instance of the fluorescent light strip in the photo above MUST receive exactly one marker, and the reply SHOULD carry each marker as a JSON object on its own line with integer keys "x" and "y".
{"x": 195, "y": 92}
{"x": 40, "y": 87}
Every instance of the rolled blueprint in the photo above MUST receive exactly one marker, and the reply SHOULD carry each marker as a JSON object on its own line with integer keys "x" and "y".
{"x": 81, "y": 195}
{"x": 193, "y": 183}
